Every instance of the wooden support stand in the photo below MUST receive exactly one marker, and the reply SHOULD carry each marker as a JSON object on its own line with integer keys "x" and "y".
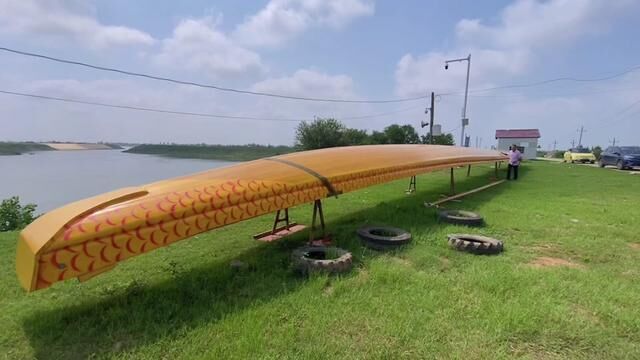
{"x": 324, "y": 239}
{"x": 452, "y": 188}
{"x": 496, "y": 166}
{"x": 412, "y": 186}
{"x": 278, "y": 231}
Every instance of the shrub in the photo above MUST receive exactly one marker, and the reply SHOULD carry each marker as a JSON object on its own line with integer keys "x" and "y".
{"x": 14, "y": 216}
{"x": 597, "y": 151}
{"x": 443, "y": 139}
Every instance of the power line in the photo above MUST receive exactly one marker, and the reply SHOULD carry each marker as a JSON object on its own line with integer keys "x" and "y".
{"x": 137, "y": 108}
{"x": 517, "y": 95}
{"x": 216, "y": 87}
{"x": 621, "y": 113}
{"x": 544, "y": 82}
{"x": 627, "y": 108}
{"x": 380, "y": 114}
{"x": 452, "y": 130}
{"x": 186, "y": 113}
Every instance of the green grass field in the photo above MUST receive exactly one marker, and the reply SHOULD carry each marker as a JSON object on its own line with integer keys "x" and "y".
{"x": 423, "y": 301}
{"x": 212, "y": 152}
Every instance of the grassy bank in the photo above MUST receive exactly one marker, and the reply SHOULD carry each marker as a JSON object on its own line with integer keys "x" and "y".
{"x": 566, "y": 286}
{"x": 215, "y": 152}
{"x": 17, "y": 148}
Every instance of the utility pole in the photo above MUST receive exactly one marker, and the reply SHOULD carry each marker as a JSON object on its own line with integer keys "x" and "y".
{"x": 431, "y": 110}
{"x": 573, "y": 143}
{"x": 431, "y": 117}
{"x": 614, "y": 142}
{"x": 465, "y": 121}
{"x": 554, "y": 145}
{"x": 580, "y": 139}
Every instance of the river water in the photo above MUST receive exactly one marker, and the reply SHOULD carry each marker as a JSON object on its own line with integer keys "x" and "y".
{"x": 51, "y": 179}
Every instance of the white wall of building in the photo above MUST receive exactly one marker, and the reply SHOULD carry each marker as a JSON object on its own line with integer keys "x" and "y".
{"x": 530, "y": 146}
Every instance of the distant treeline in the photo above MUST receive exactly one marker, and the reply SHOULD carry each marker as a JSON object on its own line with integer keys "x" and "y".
{"x": 318, "y": 134}
{"x": 325, "y": 133}
{"x": 17, "y": 148}
{"x": 214, "y": 152}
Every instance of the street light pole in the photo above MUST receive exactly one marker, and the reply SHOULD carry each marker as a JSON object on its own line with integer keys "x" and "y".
{"x": 465, "y": 121}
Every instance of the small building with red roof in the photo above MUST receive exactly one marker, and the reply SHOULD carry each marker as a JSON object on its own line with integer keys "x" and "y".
{"x": 526, "y": 140}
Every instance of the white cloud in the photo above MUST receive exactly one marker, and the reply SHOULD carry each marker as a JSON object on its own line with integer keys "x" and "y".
{"x": 417, "y": 74}
{"x": 197, "y": 45}
{"x": 282, "y": 20}
{"x": 307, "y": 82}
{"x": 68, "y": 20}
{"x": 45, "y": 120}
{"x": 541, "y": 24}
{"x": 524, "y": 33}
{"x": 525, "y": 29}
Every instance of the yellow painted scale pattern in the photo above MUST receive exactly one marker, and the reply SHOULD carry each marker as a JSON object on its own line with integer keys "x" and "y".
{"x": 85, "y": 238}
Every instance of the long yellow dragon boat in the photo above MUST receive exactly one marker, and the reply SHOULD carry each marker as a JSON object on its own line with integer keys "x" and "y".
{"x": 87, "y": 237}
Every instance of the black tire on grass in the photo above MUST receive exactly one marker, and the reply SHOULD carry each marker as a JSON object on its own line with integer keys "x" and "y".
{"x": 461, "y": 217}
{"x": 383, "y": 237}
{"x": 309, "y": 259}
{"x": 475, "y": 244}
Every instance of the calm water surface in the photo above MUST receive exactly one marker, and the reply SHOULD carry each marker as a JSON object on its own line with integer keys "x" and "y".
{"x": 51, "y": 179}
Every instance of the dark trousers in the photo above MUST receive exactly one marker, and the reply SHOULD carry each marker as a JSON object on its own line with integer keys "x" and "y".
{"x": 515, "y": 172}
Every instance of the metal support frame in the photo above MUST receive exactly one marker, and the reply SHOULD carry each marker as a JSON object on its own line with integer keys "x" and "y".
{"x": 317, "y": 211}
{"x": 412, "y": 185}
{"x": 468, "y": 170}
{"x": 279, "y": 220}
{"x": 278, "y": 231}
{"x": 452, "y": 189}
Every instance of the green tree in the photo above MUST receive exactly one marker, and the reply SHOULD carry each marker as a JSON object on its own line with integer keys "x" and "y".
{"x": 444, "y": 139}
{"x": 377, "y": 138}
{"x": 319, "y": 134}
{"x": 410, "y": 135}
{"x": 401, "y": 134}
{"x": 14, "y": 216}
{"x": 354, "y": 137}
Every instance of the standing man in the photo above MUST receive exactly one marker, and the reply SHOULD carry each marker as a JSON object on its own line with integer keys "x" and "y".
{"x": 515, "y": 156}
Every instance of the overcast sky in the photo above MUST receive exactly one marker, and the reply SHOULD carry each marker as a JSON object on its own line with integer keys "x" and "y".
{"x": 346, "y": 49}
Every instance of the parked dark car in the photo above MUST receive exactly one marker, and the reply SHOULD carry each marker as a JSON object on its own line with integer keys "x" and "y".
{"x": 622, "y": 157}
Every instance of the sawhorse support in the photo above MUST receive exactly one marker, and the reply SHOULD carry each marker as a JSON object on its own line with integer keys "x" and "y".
{"x": 278, "y": 231}
{"x": 452, "y": 187}
{"x": 278, "y": 219}
{"x": 324, "y": 239}
{"x": 412, "y": 186}
{"x": 496, "y": 166}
